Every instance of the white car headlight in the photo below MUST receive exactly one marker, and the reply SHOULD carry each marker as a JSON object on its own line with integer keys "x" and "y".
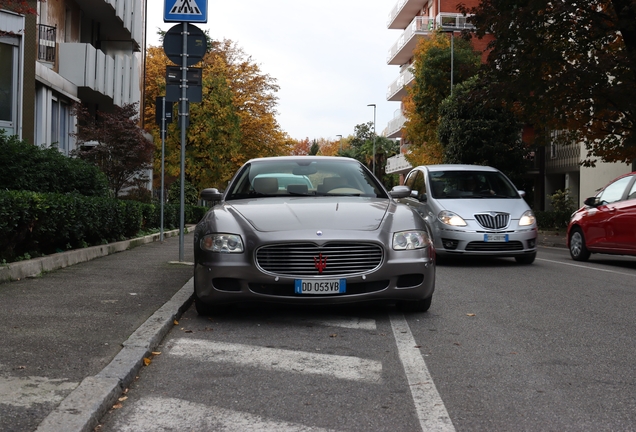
{"x": 450, "y": 218}
{"x": 408, "y": 240}
{"x": 527, "y": 218}
{"x": 222, "y": 243}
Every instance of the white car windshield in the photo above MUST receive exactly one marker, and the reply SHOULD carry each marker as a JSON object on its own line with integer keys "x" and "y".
{"x": 304, "y": 176}
{"x": 471, "y": 184}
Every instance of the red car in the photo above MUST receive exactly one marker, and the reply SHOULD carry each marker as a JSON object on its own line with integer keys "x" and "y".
{"x": 607, "y": 222}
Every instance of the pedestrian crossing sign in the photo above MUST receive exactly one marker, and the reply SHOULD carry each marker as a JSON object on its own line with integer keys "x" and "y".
{"x": 195, "y": 11}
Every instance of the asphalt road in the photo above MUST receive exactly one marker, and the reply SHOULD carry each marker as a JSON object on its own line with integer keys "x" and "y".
{"x": 506, "y": 347}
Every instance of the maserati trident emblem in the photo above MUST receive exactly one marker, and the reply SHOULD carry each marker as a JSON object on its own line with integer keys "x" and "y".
{"x": 320, "y": 263}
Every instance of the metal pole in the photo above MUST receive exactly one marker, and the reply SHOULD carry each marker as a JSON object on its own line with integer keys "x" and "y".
{"x": 163, "y": 155}
{"x": 183, "y": 114}
{"x": 452, "y": 58}
{"x": 373, "y": 105}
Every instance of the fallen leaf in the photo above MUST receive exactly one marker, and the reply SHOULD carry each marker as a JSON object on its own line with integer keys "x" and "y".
{"x": 471, "y": 314}
{"x": 117, "y": 406}
{"x": 457, "y": 343}
{"x": 175, "y": 322}
{"x": 121, "y": 399}
{"x": 147, "y": 361}
{"x": 156, "y": 353}
{"x": 418, "y": 346}
{"x": 188, "y": 331}
{"x": 333, "y": 335}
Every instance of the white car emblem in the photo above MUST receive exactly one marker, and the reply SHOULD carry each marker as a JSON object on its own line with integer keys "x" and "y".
{"x": 318, "y": 233}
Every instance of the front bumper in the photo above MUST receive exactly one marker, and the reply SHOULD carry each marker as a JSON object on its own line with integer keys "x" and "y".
{"x": 518, "y": 242}
{"x": 227, "y": 278}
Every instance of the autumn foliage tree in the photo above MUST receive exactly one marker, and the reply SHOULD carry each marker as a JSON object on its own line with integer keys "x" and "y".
{"x": 234, "y": 122}
{"x": 567, "y": 66}
{"x": 113, "y": 142}
{"x": 432, "y": 83}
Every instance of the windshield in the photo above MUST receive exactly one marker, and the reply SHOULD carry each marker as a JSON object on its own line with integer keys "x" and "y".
{"x": 304, "y": 176}
{"x": 471, "y": 184}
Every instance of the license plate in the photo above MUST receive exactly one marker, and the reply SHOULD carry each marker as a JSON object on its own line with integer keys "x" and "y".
{"x": 495, "y": 237}
{"x": 324, "y": 286}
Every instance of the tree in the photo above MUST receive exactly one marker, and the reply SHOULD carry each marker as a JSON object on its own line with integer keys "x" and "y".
{"x": 473, "y": 130}
{"x": 234, "y": 122}
{"x": 360, "y": 147}
{"x": 122, "y": 152}
{"x": 300, "y": 147}
{"x": 430, "y": 87}
{"x": 24, "y": 7}
{"x": 568, "y": 66}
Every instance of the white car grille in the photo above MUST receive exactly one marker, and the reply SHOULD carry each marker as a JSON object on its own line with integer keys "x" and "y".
{"x": 493, "y": 220}
{"x": 308, "y": 259}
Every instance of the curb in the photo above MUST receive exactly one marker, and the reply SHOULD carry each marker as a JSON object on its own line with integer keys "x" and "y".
{"x": 32, "y": 268}
{"x": 82, "y": 409}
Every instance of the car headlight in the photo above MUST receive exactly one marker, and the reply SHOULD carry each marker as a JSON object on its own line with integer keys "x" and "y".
{"x": 408, "y": 240}
{"x": 222, "y": 243}
{"x": 527, "y": 218}
{"x": 450, "y": 218}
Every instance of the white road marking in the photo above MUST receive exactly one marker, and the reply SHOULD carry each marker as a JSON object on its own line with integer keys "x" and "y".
{"x": 587, "y": 267}
{"x": 28, "y": 391}
{"x": 344, "y": 322}
{"x": 170, "y": 414}
{"x": 341, "y": 367}
{"x": 429, "y": 406}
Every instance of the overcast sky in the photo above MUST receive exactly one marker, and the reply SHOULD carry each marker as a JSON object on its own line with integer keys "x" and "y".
{"x": 328, "y": 57}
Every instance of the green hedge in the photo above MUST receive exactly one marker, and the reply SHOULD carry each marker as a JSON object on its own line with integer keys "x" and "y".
{"x": 34, "y": 224}
{"x": 28, "y": 167}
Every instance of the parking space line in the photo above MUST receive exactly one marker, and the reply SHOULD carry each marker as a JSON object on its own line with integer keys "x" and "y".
{"x": 587, "y": 267}
{"x": 429, "y": 406}
{"x": 341, "y": 367}
{"x": 178, "y": 414}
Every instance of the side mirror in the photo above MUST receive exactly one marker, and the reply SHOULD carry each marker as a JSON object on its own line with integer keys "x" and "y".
{"x": 211, "y": 194}
{"x": 400, "y": 191}
{"x": 591, "y": 202}
{"x": 522, "y": 193}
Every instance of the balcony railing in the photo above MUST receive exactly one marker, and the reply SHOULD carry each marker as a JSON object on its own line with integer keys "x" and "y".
{"x": 46, "y": 43}
{"x": 397, "y": 89}
{"x": 394, "y": 128}
{"x": 402, "y": 50}
{"x": 453, "y": 21}
{"x": 403, "y": 12}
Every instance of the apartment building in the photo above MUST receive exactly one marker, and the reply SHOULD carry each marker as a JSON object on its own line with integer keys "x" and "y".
{"x": 88, "y": 51}
{"x": 416, "y": 19}
{"x": 556, "y": 167}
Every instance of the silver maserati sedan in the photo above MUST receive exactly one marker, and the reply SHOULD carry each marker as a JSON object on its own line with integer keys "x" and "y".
{"x": 310, "y": 230}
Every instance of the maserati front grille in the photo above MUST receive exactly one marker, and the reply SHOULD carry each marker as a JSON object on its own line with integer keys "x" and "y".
{"x": 308, "y": 259}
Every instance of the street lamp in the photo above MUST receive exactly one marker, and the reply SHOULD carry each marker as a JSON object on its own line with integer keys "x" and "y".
{"x": 373, "y": 105}
{"x": 340, "y": 142}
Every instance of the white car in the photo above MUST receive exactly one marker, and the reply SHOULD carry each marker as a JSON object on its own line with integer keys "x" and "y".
{"x": 471, "y": 210}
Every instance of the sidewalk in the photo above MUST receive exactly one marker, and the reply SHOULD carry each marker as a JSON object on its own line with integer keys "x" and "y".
{"x": 71, "y": 340}
{"x": 553, "y": 238}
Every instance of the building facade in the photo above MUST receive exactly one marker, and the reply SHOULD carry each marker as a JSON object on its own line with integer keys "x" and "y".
{"x": 85, "y": 51}
{"x": 556, "y": 167}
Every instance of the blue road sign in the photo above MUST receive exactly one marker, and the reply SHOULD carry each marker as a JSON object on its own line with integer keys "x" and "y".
{"x": 195, "y": 11}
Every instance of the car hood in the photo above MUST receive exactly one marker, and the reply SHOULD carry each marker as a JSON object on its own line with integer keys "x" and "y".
{"x": 467, "y": 207}
{"x": 337, "y": 213}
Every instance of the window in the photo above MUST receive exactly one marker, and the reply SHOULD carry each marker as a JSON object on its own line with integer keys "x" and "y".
{"x": 614, "y": 192}
{"x": 8, "y": 86}
{"x": 60, "y": 125}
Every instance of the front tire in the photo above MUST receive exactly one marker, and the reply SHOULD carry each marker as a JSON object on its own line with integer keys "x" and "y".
{"x": 578, "y": 250}
{"x": 526, "y": 259}
{"x": 415, "y": 305}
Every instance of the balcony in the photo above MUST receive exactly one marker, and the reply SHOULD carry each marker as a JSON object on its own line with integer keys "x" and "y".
{"x": 397, "y": 164}
{"x": 394, "y": 128}
{"x": 397, "y": 90}
{"x": 403, "y": 12}
{"x": 402, "y": 50}
{"x": 453, "y": 22}
{"x": 46, "y": 43}
{"x": 114, "y": 77}
{"x": 120, "y": 20}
